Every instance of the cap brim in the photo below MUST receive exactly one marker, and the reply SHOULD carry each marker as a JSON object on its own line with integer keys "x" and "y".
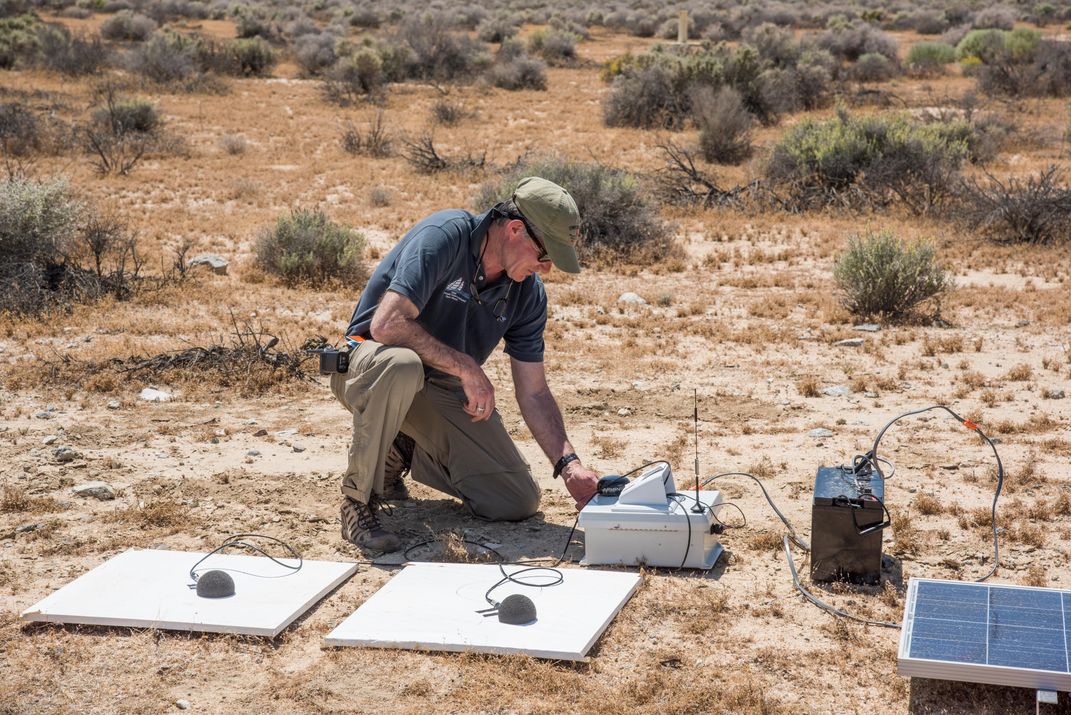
{"x": 563, "y": 256}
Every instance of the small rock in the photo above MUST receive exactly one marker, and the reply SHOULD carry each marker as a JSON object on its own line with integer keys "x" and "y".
{"x": 298, "y": 448}
{"x": 151, "y": 394}
{"x": 286, "y": 432}
{"x": 261, "y": 433}
{"x": 871, "y": 395}
{"x": 1022, "y": 323}
{"x": 65, "y": 454}
{"x": 214, "y": 440}
{"x": 43, "y": 415}
{"x": 849, "y": 343}
{"x": 49, "y": 439}
{"x": 218, "y": 264}
{"x": 867, "y": 327}
{"x": 631, "y": 298}
{"x": 253, "y": 453}
{"x": 250, "y": 422}
{"x": 1055, "y": 394}
{"x": 820, "y": 432}
{"x": 26, "y": 528}
{"x": 114, "y": 404}
{"x": 624, "y": 412}
{"x": 182, "y": 704}
{"x": 97, "y": 490}
{"x": 639, "y": 385}
{"x": 837, "y": 391}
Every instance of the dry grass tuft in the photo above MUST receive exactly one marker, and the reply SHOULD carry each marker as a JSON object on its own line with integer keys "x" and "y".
{"x": 1020, "y": 373}
{"x": 808, "y": 386}
{"x": 928, "y": 505}
{"x": 160, "y": 514}
{"x": 15, "y": 499}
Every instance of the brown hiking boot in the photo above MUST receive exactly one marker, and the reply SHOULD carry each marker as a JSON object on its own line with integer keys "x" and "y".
{"x": 361, "y": 527}
{"x": 399, "y": 461}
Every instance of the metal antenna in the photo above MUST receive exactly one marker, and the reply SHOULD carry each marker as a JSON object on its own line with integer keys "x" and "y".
{"x": 695, "y": 424}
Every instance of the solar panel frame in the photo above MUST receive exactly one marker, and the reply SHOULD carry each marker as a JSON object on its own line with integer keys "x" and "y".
{"x": 1016, "y": 624}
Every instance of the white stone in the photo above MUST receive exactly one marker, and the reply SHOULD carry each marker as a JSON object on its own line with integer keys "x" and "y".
{"x": 631, "y": 298}
{"x": 151, "y": 394}
{"x": 867, "y": 327}
{"x": 218, "y": 264}
{"x": 820, "y": 433}
{"x": 65, "y": 454}
{"x": 837, "y": 391}
{"x": 114, "y": 404}
{"x": 850, "y": 343}
{"x": 49, "y": 439}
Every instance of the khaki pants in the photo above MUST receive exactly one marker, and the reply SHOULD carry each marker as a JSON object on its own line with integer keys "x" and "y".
{"x": 476, "y": 462}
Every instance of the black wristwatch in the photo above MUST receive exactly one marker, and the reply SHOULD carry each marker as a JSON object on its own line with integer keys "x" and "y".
{"x": 560, "y": 464}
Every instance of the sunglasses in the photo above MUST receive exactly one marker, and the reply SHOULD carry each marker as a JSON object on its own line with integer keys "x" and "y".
{"x": 543, "y": 256}
{"x": 498, "y": 310}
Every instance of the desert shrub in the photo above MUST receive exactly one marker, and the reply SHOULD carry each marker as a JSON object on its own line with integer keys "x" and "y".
{"x": 314, "y": 53}
{"x": 671, "y": 27}
{"x": 644, "y": 97}
{"x": 498, "y": 28}
{"x": 72, "y": 55}
{"x": 724, "y": 125}
{"x": 980, "y": 45}
{"x": 38, "y": 222}
{"x": 618, "y": 222}
{"x": 447, "y": 112}
{"x": 850, "y": 42}
{"x": 998, "y": 17}
{"x": 375, "y": 141}
{"x": 927, "y": 58}
{"x": 249, "y": 23}
{"x": 18, "y": 39}
{"x": 253, "y": 57}
{"x": 775, "y": 45}
{"x": 121, "y": 132}
{"x": 365, "y": 16}
{"x": 873, "y": 67}
{"x": 165, "y": 58}
{"x": 930, "y": 23}
{"x": 655, "y": 89}
{"x": 879, "y": 275}
{"x": 519, "y": 73}
{"x": 557, "y": 48}
{"x": 44, "y": 230}
{"x": 1035, "y": 210}
{"x": 307, "y": 248}
{"x": 354, "y": 77}
{"x": 873, "y": 159}
{"x": 127, "y": 25}
{"x": 20, "y": 131}
{"x": 438, "y": 54}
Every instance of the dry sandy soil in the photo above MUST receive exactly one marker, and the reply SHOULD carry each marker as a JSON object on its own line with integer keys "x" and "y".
{"x": 748, "y": 319}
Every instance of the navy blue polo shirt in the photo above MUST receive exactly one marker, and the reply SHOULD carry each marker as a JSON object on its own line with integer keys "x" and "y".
{"x": 435, "y": 267}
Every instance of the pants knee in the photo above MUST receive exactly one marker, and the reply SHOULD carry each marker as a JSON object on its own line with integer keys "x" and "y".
{"x": 405, "y": 367}
{"x": 517, "y": 506}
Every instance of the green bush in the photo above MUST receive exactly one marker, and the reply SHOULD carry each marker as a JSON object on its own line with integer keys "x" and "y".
{"x": 18, "y": 39}
{"x": 355, "y": 77}
{"x": 38, "y": 221}
{"x": 557, "y": 48}
{"x": 873, "y": 67}
{"x": 165, "y": 58}
{"x": 881, "y": 276}
{"x": 126, "y": 116}
{"x": 930, "y": 57}
{"x": 873, "y": 159}
{"x": 253, "y": 57}
{"x": 980, "y": 45}
{"x": 73, "y": 55}
{"x": 307, "y": 248}
{"x": 618, "y": 222}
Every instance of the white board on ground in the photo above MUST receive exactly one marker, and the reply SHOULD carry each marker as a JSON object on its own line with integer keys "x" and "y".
{"x": 433, "y": 607}
{"x": 150, "y": 589}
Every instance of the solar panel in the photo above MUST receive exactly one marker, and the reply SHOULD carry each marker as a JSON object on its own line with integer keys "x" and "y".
{"x": 982, "y": 633}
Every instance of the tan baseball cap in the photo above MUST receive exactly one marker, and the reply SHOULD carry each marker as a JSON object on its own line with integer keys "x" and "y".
{"x": 553, "y": 213}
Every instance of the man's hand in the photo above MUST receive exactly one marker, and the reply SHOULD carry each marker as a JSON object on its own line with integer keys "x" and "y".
{"x": 479, "y": 392}
{"x": 581, "y": 482}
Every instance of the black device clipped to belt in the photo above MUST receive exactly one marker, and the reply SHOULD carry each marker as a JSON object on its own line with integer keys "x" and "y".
{"x": 560, "y": 465}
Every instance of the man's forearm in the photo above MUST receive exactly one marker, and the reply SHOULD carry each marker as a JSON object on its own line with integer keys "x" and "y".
{"x": 543, "y": 417}
{"x": 405, "y": 332}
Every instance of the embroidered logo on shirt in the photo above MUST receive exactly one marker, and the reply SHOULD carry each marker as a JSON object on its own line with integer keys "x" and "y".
{"x": 455, "y": 290}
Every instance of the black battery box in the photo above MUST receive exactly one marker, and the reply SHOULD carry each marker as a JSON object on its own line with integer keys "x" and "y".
{"x": 847, "y": 525}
